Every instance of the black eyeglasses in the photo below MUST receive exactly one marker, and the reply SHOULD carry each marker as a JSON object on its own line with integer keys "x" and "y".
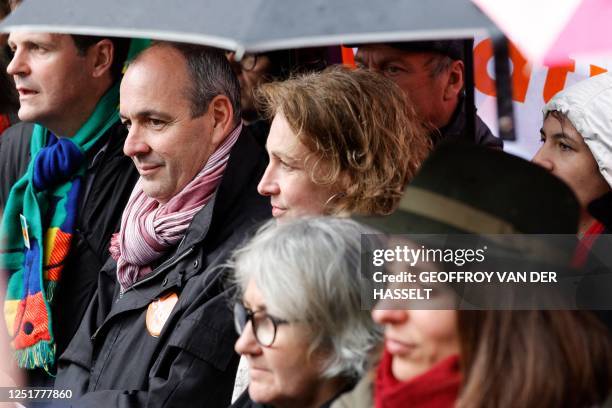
{"x": 247, "y": 63}
{"x": 264, "y": 325}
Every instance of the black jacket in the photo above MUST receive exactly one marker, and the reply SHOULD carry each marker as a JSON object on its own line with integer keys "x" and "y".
{"x": 601, "y": 209}
{"x": 108, "y": 183}
{"x": 113, "y": 361}
{"x": 14, "y": 156}
{"x": 594, "y": 290}
{"x": 260, "y": 129}
{"x": 456, "y": 129}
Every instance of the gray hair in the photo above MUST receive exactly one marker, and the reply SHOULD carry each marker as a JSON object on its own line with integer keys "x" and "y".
{"x": 438, "y": 64}
{"x": 309, "y": 271}
{"x": 211, "y": 75}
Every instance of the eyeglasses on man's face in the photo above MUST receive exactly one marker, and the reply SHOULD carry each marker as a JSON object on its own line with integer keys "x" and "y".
{"x": 264, "y": 326}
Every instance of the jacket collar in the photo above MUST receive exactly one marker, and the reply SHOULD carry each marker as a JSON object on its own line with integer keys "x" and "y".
{"x": 454, "y": 129}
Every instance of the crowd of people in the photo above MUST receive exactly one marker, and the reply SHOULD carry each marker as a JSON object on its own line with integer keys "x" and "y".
{"x": 182, "y": 228}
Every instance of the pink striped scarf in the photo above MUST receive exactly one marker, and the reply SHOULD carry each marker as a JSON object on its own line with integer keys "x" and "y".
{"x": 149, "y": 229}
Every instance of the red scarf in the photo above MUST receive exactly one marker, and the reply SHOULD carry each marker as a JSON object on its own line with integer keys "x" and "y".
{"x": 436, "y": 388}
{"x": 5, "y": 122}
{"x": 583, "y": 249}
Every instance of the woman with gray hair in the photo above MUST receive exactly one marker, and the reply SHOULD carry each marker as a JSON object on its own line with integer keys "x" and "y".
{"x": 299, "y": 314}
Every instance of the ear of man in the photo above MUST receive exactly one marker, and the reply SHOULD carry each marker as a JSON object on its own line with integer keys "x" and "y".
{"x": 222, "y": 116}
{"x": 454, "y": 80}
{"x": 100, "y": 56}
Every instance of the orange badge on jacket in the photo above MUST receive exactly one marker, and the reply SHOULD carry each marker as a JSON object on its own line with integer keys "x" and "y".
{"x": 158, "y": 313}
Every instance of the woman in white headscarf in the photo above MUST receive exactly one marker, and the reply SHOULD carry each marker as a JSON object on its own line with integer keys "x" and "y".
{"x": 577, "y": 147}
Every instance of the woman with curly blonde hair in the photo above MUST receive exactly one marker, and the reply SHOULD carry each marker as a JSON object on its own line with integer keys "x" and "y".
{"x": 341, "y": 142}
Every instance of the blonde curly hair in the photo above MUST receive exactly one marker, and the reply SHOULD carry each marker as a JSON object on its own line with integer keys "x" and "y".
{"x": 362, "y": 133}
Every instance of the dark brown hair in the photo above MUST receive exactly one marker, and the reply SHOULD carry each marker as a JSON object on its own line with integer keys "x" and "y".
{"x": 534, "y": 359}
{"x": 5, "y": 8}
{"x": 121, "y": 47}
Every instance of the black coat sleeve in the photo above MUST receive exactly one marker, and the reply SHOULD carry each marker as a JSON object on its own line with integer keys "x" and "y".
{"x": 14, "y": 156}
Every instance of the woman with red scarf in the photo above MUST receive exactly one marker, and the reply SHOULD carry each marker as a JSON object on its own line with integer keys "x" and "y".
{"x": 479, "y": 359}
{"x": 488, "y": 358}
{"x": 420, "y": 362}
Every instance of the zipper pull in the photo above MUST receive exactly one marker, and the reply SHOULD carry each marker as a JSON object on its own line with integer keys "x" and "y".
{"x": 93, "y": 337}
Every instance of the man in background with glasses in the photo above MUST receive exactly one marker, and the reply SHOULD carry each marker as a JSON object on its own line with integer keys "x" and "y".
{"x": 254, "y": 70}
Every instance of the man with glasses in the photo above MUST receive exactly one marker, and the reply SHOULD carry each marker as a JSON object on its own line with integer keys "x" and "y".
{"x": 159, "y": 331}
{"x": 254, "y": 70}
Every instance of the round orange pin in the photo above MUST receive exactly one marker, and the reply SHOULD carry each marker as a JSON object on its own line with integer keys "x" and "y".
{"x": 158, "y": 313}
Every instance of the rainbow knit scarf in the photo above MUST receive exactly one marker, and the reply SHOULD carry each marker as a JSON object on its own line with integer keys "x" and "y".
{"x": 37, "y": 229}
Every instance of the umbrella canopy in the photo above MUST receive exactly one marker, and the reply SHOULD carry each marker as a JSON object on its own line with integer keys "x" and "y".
{"x": 262, "y": 25}
{"x": 550, "y": 33}
{"x": 255, "y": 25}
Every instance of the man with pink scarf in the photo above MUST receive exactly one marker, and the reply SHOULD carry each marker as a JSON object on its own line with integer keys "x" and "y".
{"x": 159, "y": 331}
